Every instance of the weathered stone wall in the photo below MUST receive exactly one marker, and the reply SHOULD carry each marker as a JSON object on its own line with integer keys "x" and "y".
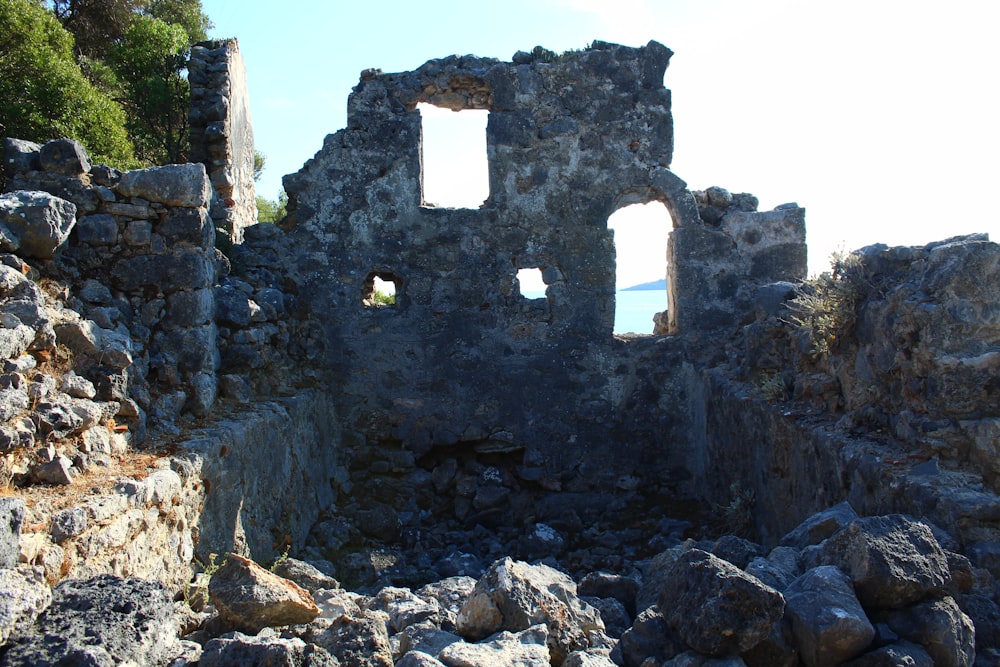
{"x": 462, "y": 358}
{"x": 222, "y": 132}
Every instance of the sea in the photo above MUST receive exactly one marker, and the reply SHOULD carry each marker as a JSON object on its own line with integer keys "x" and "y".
{"x": 634, "y": 309}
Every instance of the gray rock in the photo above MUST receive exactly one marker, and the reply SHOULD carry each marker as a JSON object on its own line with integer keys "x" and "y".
{"x": 606, "y": 585}
{"x": 15, "y": 338}
{"x": 527, "y": 648}
{"x": 777, "y": 570}
{"x": 715, "y": 607}
{"x": 174, "y": 185}
{"x": 34, "y": 223}
{"x": 450, "y": 594}
{"x": 418, "y": 659}
{"x": 514, "y": 596}
{"x": 138, "y": 233}
{"x": 892, "y": 560}
{"x": 68, "y": 523}
{"x": 820, "y": 526}
{"x": 11, "y": 517}
{"x": 894, "y": 655}
{"x": 58, "y": 471}
{"x": 358, "y": 641}
{"x": 106, "y": 620}
{"x": 97, "y": 230}
{"x": 20, "y": 156}
{"x": 777, "y": 650}
{"x": 649, "y": 637}
{"x": 693, "y": 659}
{"x": 403, "y": 607}
{"x": 249, "y": 598}
{"x": 941, "y": 628}
{"x": 12, "y": 402}
{"x": 616, "y": 619}
{"x": 304, "y": 574}
{"x": 985, "y": 616}
{"x": 23, "y": 596}
{"x": 95, "y": 292}
{"x": 425, "y": 637}
{"x": 582, "y": 659}
{"x": 736, "y": 550}
{"x": 829, "y": 624}
{"x": 64, "y": 156}
{"x": 78, "y": 387}
{"x": 239, "y": 650}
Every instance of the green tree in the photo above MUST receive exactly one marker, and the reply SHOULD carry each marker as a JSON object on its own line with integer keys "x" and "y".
{"x": 44, "y": 93}
{"x": 269, "y": 210}
{"x": 96, "y": 24}
{"x": 187, "y": 14}
{"x": 149, "y": 61}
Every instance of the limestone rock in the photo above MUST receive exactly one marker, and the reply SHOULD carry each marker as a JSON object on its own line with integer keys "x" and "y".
{"x": 250, "y": 598}
{"x": 715, "y": 607}
{"x": 404, "y": 607}
{"x": 34, "y": 223}
{"x": 514, "y": 596}
{"x": 418, "y": 659}
{"x": 582, "y": 659}
{"x": 67, "y": 157}
{"x": 649, "y": 637}
{"x": 102, "y": 621}
{"x": 305, "y": 575}
{"x": 239, "y": 650}
{"x": 694, "y": 659}
{"x": 820, "y": 526}
{"x": 893, "y": 655}
{"x": 941, "y": 628}
{"x": 892, "y": 560}
{"x": 23, "y": 596}
{"x": 11, "y": 518}
{"x": 525, "y": 649}
{"x": 19, "y": 156}
{"x": 425, "y": 637}
{"x": 826, "y": 617}
{"x": 450, "y": 593}
{"x": 358, "y": 641}
{"x": 174, "y": 185}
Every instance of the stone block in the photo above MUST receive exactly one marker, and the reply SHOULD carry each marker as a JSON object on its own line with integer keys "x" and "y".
{"x": 174, "y": 185}
{"x": 64, "y": 156}
{"x": 34, "y": 223}
{"x": 11, "y": 517}
{"x": 98, "y": 230}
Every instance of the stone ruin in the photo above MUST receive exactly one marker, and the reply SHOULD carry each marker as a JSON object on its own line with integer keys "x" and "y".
{"x": 290, "y": 413}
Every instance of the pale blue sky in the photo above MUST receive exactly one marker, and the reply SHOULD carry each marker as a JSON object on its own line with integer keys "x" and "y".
{"x": 879, "y": 116}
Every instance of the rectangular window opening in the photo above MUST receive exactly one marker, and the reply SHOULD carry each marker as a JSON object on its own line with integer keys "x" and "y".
{"x": 455, "y": 171}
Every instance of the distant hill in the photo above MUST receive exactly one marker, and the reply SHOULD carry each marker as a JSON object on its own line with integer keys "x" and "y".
{"x": 660, "y": 284}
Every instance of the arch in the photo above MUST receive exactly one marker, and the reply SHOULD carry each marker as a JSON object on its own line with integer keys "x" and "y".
{"x": 642, "y": 268}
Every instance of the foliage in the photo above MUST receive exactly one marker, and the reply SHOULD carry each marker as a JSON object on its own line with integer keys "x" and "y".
{"x": 269, "y": 210}
{"x": 95, "y": 24}
{"x": 380, "y": 298}
{"x": 824, "y": 307}
{"x": 187, "y": 14}
{"x": 259, "y": 162}
{"x": 43, "y": 91}
{"x": 149, "y": 61}
{"x": 771, "y": 387}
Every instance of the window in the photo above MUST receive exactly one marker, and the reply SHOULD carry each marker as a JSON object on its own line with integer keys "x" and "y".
{"x": 640, "y": 236}
{"x": 380, "y": 290}
{"x": 530, "y": 283}
{"x": 455, "y": 168}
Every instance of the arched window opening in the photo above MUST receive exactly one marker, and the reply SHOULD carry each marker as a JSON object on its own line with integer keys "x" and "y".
{"x": 640, "y": 236}
{"x": 454, "y": 165}
{"x": 380, "y": 290}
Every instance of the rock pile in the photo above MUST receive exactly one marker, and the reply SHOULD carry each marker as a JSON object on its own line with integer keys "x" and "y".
{"x": 839, "y": 589}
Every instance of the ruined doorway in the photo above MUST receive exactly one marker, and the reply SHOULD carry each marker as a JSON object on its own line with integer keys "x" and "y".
{"x": 454, "y": 168}
{"x": 640, "y": 234}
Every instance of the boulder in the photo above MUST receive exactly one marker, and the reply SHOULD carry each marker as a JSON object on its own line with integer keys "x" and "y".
{"x": 357, "y": 640}
{"x": 694, "y": 659}
{"x": 418, "y": 659}
{"x": 34, "y": 223}
{"x": 403, "y": 607}
{"x": 941, "y": 627}
{"x": 23, "y": 596}
{"x": 582, "y": 659}
{"x": 715, "y": 607}
{"x": 304, "y": 574}
{"x": 450, "y": 593}
{"x": 249, "y": 598}
{"x": 819, "y": 526}
{"x": 66, "y": 157}
{"x": 20, "y": 156}
{"x": 425, "y": 637}
{"x": 11, "y": 517}
{"x": 514, "y": 596}
{"x": 527, "y": 648}
{"x": 893, "y": 655}
{"x": 649, "y": 637}
{"x": 892, "y": 560}
{"x": 174, "y": 185}
{"x": 829, "y": 624}
{"x": 239, "y": 650}
{"x": 105, "y": 620}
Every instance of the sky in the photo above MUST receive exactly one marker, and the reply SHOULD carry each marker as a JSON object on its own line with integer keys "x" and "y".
{"x": 880, "y": 117}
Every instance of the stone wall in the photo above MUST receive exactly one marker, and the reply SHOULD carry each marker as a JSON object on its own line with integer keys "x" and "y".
{"x": 222, "y": 133}
{"x": 463, "y": 359}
